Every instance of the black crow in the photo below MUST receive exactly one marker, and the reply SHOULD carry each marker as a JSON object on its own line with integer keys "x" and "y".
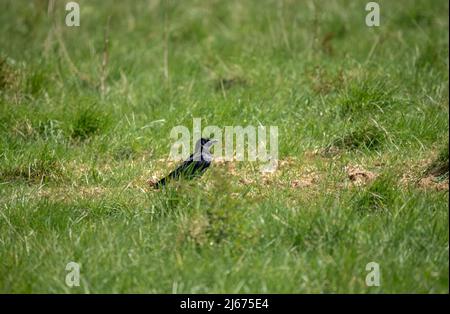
{"x": 194, "y": 166}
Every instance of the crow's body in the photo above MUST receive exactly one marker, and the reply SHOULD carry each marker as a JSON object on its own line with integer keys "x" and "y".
{"x": 192, "y": 167}
{"x": 189, "y": 169}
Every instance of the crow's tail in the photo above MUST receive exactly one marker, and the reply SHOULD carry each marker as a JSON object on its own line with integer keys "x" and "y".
{"x": 160, "y": 183}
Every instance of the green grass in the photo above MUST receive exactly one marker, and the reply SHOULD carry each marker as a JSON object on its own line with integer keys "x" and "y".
{"x": 80, "y": 134}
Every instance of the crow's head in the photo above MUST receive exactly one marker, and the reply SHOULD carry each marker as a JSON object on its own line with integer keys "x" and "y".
{"x": 203, "y": 146}
{"x": 206, "y": 142}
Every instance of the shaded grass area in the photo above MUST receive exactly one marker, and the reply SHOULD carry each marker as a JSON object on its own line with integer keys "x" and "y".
{"x": 75, "y": 156}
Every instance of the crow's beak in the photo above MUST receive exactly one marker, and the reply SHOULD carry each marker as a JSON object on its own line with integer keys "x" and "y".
{"x": 214, "y": 142}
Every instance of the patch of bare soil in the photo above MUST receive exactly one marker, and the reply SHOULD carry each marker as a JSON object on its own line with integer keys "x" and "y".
{"x": 306, "y": 180}
{"x": 424, "y": 175}
{"x": 432, "y": 182}
{"x": 358, "y": 175}
{"x": 309, "y": 177}
{"x": 286, "y": 162}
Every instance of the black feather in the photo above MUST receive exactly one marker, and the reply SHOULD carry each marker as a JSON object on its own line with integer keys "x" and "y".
{"x": 192, "y": 167}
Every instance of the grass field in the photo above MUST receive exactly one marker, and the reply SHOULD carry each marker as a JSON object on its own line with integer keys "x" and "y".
{"x": 362, "y": 114}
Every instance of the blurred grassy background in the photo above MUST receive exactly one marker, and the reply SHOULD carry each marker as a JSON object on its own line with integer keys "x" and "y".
{"x": 85, "y": 118}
